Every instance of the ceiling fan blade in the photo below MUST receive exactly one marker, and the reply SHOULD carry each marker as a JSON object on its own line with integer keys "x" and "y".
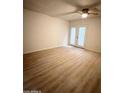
{"x": 65, "y": 14}
{"x": 94, "y": 13}
{"x": 95, "y": 10}
{"x": 80, "y": 12}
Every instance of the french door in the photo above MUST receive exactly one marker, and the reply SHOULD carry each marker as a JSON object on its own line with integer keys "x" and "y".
{"x": 77, "y": 36}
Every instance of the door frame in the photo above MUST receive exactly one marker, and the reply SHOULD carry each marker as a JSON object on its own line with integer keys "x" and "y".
{"x": 76, "y": 37}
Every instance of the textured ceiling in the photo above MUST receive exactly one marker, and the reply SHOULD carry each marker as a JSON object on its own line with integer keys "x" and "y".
{"x": 61, "y": 8}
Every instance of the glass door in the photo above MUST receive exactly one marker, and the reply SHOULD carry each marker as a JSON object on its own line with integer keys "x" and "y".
{"x": 77, "y": 36}
{"x": 73, "y": 36}
{"x": 81, "y": 36}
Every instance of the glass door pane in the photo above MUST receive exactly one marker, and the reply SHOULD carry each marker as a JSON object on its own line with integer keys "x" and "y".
{"x": 81, "y": 36}
{"x": 72, "y": 36}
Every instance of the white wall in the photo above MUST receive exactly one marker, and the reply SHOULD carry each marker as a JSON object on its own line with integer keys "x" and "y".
{"x": 43, "y": 32}
{"x": 93, "y": 33}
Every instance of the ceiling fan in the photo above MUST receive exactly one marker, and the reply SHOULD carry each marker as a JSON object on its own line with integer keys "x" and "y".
{"x": 85, "y": 12}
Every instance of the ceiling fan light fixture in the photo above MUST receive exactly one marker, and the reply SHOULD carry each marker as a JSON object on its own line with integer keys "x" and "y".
{"x": 84, "y": 15}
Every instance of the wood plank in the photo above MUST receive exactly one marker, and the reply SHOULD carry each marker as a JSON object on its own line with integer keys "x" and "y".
{"x": 63, "y": 70}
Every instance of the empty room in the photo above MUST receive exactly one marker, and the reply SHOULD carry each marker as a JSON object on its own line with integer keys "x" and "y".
{"x": 62, "y": 46}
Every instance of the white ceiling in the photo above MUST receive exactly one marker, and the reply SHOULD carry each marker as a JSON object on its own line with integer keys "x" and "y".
{"x": 61, "y": 8}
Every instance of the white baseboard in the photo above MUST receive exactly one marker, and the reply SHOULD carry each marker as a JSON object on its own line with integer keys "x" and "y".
{"x": 60, "y": 46}
{"x": 40, "y": 49}
{"x": 93, "y": 50}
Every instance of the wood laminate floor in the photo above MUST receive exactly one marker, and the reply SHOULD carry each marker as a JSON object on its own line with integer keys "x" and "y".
{"x": 63, "y": 70}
